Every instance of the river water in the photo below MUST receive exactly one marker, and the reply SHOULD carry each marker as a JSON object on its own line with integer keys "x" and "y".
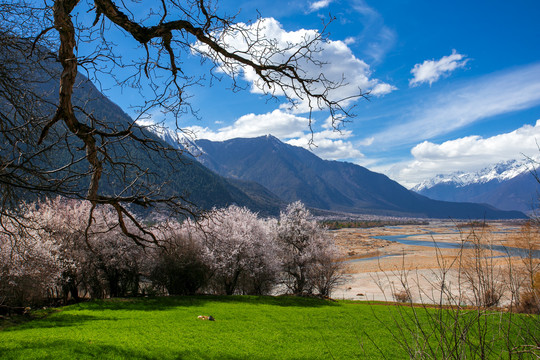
{"x": 506, "y": 250}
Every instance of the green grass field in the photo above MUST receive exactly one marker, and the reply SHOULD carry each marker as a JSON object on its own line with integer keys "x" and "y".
{"x": 245, "y": 328}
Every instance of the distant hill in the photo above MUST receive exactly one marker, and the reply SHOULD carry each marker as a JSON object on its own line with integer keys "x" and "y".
{"x": 294, "y": 173}
{"x": 508, "y": 185}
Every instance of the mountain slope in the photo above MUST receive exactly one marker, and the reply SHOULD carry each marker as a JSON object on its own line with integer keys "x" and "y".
{"x": 293, "y": 173}
{"x": 507, "y": 185}
{"x": 190, "y": 178}
{"x": 138, "y": 167}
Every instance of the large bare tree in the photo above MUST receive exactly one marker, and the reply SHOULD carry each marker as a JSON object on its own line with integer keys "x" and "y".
{"x": 46, "y": 42}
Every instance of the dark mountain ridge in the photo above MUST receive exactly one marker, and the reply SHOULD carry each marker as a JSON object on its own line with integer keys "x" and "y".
{"x": 188, "y": 177}
{"x": 294, "y": 173}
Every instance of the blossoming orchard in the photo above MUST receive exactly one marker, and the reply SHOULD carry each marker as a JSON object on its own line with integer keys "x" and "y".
{"x": 56, "y": 254}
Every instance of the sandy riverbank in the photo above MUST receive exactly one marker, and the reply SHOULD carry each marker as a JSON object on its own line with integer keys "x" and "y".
{"x": 377, "y": 268}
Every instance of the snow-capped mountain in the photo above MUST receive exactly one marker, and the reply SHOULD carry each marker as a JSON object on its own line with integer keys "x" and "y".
{"x": 508, "y": 185}
{"x": 499, "y": 172}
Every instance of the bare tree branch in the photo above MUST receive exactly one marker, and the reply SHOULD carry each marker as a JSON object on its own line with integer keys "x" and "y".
{"x": 61, "y": 144}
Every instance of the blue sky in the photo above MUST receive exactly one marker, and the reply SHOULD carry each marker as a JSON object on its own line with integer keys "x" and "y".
{"x": 455, "y": 84}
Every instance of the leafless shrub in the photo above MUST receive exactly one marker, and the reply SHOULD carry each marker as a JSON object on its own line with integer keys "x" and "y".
{"x": 403, "y": 296}
{"x": 526, "y": 269}
{"x": 483, "y": 281}
{"x": 460, "y": 316}
{"x": 529, "y": 303}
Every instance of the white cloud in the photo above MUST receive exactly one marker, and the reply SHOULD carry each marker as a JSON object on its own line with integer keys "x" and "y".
{"x": 381, "y": 43}
{"x": 470, "y": 153}
{"x": 327, "y": 143}
{"x": 317, "y": 5}
{"x": 366, "y": 142}
{"x": 363, "y": 8}
{"x": 431, "y": 70}
{"x": 278, "y": 123}
{"x": 382, "y": 89}
{"x": 479, "y": 99}
{"x": 335, "y": 60}
{"x": 350, "y": 40}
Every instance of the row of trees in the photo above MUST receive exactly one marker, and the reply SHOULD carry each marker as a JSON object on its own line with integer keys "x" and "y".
{"x": 56, "y": 252}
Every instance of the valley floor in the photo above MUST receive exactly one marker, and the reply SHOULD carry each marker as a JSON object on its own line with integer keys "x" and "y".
{"x": 381, "y": 262}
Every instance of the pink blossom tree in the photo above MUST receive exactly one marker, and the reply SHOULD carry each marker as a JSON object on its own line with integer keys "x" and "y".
{"x": 60, "y": 250}
{"x": 307, "y": 252}
{"x": 241, "y": 250}
{"x": 105, "y": 261}
{"x": 30, "y": 263}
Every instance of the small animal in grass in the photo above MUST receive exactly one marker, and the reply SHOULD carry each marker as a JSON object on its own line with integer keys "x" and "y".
{"x": 204, "y": 317}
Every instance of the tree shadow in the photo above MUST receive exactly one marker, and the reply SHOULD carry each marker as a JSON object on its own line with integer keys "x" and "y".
{"x": 58, "y": 320}
{"x": 168, "y": 302}
{"x": 76, "y": 350}
{"x": 72, "y": 315}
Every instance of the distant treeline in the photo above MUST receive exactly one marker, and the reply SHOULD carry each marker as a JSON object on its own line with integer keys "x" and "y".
{"x": 486, "y": 223}
{"x": 342, "y": 224}
{"x": 472, "y": 224}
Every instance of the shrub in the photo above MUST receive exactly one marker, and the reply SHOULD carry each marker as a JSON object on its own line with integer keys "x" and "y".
{"x": 526, "y": 272}
{"x": 53, "y": 251}
{"x": 28, "y": 269}
{"x": 181, "y": 264}
{"x": 440, "y": 327}
{"x": 402, "y": 296}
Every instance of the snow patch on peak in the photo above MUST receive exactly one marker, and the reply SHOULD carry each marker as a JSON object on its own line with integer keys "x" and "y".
{"x": 274, "y": 140}
{"x": 177, "y": 139}
{"x": 502, "y": 171}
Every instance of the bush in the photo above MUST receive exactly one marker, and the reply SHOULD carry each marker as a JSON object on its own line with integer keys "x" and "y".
{"x": 181, "y": 264}
{"x": 63, "y": 254}
{"x": 53, "y": 252}
{"x": 29, "y": 263}
{"x": 442, "y": 327}
{"x": 529, "y": 303}
{"x": 402, "y": 296}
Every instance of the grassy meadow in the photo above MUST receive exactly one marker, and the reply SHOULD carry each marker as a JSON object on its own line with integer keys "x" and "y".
{"x": 246, "y": 327}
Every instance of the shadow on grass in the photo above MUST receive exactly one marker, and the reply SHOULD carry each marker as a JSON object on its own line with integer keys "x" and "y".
{"x": 168, "y": 302}
{"x": 70, "y": 316}
{"x": 73, "y": 349}
{"x": 58, "y": 320}
{"x": 70, "y": 349}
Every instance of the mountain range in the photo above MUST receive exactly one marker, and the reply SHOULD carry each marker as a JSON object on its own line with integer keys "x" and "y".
{"x": 294, "y": 173}
{"x": 187, "y": 177}
{"x": 263, "y": 174}
{"x": 507, "y": 185}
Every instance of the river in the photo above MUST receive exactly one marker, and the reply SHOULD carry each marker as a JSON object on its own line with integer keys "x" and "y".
{"x": 506, "y": 250}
